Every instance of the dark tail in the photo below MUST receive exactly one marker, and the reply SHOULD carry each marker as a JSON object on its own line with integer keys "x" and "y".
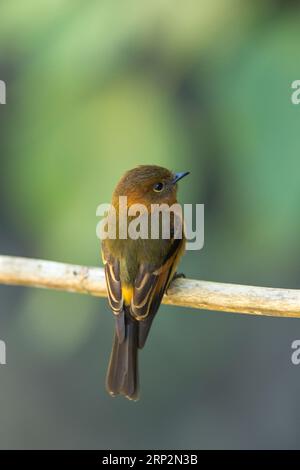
{"x": 122, "y": 374}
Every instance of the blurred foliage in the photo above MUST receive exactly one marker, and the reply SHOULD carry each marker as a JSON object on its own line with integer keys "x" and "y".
{"x": 95, "y": 88}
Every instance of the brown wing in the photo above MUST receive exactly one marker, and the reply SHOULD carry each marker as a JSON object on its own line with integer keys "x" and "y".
{"x": 114, "y": 291}
{"x": 150, "y": 286}
{"x": 148, "y": 291}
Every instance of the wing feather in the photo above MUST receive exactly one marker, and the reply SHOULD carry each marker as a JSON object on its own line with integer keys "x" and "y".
{"x": 150, "y": 287}
{"x": 114, "y": 291}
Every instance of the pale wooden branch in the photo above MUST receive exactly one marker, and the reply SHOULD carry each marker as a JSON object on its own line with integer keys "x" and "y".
{"x": 183, "y": 292}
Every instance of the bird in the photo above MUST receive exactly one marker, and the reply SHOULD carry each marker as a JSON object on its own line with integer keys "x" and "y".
{"x": 138, "y": 272}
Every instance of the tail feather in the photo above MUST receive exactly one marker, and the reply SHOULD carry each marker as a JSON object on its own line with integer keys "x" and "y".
{"x": 122, "y": 374}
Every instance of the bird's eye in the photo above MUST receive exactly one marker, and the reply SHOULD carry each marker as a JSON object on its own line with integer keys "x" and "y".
{"x": 158, "y": 187}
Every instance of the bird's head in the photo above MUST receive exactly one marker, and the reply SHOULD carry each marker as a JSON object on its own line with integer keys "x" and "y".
{"x": 148, "y": 184}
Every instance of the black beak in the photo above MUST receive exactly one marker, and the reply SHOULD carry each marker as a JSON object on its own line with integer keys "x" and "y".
{"x": 179, "y": 176}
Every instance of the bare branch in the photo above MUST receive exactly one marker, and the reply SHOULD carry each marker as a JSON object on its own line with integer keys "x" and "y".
{"x": 183, "y": 292}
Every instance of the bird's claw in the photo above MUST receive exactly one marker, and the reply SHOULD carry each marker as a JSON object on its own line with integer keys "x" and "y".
{"x": 176, "y": 276}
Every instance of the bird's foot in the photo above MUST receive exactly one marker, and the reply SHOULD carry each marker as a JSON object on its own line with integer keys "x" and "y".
{"x": 176, "y": 276}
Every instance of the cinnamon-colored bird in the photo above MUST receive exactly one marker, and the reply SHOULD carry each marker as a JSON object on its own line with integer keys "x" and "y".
{"x": 138, "y": 273}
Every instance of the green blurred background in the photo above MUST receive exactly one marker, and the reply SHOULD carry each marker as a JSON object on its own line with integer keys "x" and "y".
{"x": 93, "y": 89}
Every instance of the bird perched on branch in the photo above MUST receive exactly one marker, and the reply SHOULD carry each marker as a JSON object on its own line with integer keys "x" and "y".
{"x": 138, "y": 270}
